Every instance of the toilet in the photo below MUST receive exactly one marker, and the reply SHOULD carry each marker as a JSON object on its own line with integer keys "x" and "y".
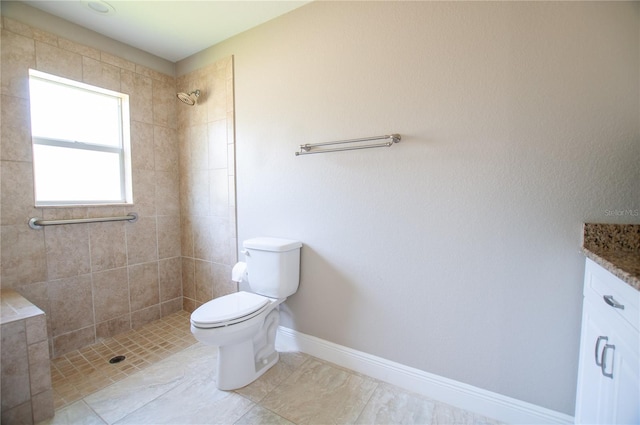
{"x": 243, "y": 325}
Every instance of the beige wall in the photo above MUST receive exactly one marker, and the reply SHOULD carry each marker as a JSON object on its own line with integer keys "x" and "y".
{"x": 92, "y": 280}
{"x": 457, "y": 250}
{"x": 207, "y": 184}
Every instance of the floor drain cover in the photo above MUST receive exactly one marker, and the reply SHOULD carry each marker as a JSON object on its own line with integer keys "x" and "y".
{"x": 116, "y": 359}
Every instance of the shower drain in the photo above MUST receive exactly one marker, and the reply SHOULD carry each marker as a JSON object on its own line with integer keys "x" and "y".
{"x": 116, "y": 359}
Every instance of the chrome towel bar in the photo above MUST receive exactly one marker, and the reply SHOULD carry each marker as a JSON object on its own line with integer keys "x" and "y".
{"x": 38, "y": 223}
{"x": 310, "y": 148}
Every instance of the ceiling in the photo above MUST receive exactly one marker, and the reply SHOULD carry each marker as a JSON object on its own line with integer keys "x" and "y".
{"x": 170, "y": 29}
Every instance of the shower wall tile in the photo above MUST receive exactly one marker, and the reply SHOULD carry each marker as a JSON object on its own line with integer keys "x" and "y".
{"x": 71, "y": 304}
{"x": 57, "y": 61}
{"x": 142, "y": 242}
{"x": 15, "y": 137}
{"x": 100, "y": 74}
{"x": 207, "y": 192}
{"x": 73, "y": 340}
{"x": 79, "y": 274}
{"x": 170, "y": 276}
{"x": 140, "y": 93}
{"x": 164, "y": 101}
{"x": 107, "y": 242}
{"x": 67, "y": 251}
{"x": 143, "y": 285}
{"x": 142, "y": 317}
{"x": 142, "y": 146}
{"x": 167, "y": 193}
{"x": 166, "y": 148}
{"x": 110, "y": 294}
{"x": 144, "y": 193}
{"x": 18, "y": 54}
{"x": 17, "y": 195}
{"x": 168, "y": 236}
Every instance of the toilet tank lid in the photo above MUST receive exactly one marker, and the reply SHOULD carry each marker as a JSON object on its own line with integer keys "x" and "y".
{"x": 272, "y": 244}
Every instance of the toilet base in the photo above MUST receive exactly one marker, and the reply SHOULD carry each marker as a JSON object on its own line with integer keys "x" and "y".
{"x": 242, "y": 363}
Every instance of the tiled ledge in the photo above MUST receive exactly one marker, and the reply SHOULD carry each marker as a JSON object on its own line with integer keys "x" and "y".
{"x": 616, "y": 247}
{"x": 27, "y": 396}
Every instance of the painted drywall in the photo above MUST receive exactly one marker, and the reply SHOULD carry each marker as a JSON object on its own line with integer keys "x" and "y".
{"x": 456, "y": 251}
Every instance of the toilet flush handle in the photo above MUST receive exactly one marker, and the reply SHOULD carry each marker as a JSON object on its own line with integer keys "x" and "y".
{"x": 245, "y": 253}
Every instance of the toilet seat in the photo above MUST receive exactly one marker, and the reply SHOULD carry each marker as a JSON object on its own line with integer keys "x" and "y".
{"x": 229, "y": 309}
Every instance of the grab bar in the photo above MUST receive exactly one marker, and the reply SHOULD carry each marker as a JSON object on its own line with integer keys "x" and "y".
{"x": 38, "y": 223}
{"x": 308, "y": 148}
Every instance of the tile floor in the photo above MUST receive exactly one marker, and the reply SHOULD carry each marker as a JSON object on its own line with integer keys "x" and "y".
{"x": 168, "y": 377}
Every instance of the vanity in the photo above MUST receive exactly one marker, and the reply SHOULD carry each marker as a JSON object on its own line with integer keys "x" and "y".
{"x": 608, "y": 390}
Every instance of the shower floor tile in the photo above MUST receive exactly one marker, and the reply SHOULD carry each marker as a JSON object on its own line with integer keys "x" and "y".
{"x": 82, "y": 372}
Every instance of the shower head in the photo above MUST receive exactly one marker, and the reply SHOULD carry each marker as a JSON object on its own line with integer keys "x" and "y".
{"x": 189, "y": 98}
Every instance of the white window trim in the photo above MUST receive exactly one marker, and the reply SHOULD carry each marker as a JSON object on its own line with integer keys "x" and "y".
{"x": 124, "y": 151}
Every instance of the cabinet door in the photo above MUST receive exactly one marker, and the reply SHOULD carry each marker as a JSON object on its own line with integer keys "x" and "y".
{"x": 625, "y": 384}
{"x": 594, "y": 395}
{"x": 609, "y": 369}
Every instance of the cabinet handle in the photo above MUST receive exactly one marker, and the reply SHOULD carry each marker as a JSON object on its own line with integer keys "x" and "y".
{"x": 604, "y": 360}
{"x": 598, "y": 341}
{"x": 612, "y": 302}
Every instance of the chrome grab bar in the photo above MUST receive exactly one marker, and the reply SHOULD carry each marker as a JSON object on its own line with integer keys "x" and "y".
{"x": 38, "y": 223}
{"x": 308, "y": 148}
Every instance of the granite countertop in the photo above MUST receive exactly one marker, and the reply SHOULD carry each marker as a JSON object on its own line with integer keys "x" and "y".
{"x": 616, "y": 247}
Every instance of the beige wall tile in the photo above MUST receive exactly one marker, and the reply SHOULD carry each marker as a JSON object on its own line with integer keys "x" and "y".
{"x": 71, "y": 304}
{"x": 186, "y": 236}
{"x": 14, "y": 365}
{"x": 15, "y": 133}
{"x": 73, "y": 340}
{"x": 217, "y": 141}
{"x": 142, "y": 146}
{"x": 100, "y": 74}
{"x": 188, "y": 278}
{"x": 167, "y": 193}
{"x": 42, "y": 406}
{"x": 18, "y": 54}
{"x": 36, "y": 328}
{"x": 144, "y": 192}
{"x": 17, "y": 192}
{"x": 142, "y": 317}
{"x": 203, "y": 280}
{"x": 39, "y": 369}
{"x": 170, "y": 276}
{"x": 140, "y": 93}
{"x": 108, "y": 245}
{"x": 21, "y": 414}
{"x": 221, "y": 279}
{"x": 164, "y": 103}
{"x": 110, "y": 294}
{"x": 168, "y": 236}
{"x": 142, "y": 241}
{"x": 23, "y": 255}
{"x": 117, "y": 61}
{"x": 219, "y": 192}
{"x": 113, "y": 327}
{"x": 144, "y": 288}
{"x": 67, "y": 250}
{"x": 165, "y": 149}
{"x": 171, "y": 306}
{"x": 57, "y": 61}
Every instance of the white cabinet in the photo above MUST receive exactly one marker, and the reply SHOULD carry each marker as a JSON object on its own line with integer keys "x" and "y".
{"x": 609, "y": 370}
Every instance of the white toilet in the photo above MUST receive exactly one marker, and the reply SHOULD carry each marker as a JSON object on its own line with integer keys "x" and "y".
{"x": 243, "y": 325}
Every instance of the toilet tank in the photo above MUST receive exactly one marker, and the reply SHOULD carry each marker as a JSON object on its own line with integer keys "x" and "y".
{"x": 273, "y": 266}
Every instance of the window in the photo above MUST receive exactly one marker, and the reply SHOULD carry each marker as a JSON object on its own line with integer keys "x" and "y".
{"x": 80, "y": 134}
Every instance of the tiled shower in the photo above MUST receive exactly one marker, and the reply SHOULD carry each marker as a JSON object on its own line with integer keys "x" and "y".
{"x": 98, "y": 280}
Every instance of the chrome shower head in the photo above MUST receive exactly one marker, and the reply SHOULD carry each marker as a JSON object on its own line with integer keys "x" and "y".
{"x": 189, "y": 98}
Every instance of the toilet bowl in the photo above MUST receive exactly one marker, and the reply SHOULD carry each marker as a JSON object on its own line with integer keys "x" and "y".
{"x": 243, "y": 325}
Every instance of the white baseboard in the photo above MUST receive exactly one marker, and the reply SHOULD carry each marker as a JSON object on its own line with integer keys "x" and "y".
{"x": 458, "y": 394}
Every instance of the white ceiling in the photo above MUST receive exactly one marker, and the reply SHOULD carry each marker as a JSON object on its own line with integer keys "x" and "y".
{"x": 170, "y": 29}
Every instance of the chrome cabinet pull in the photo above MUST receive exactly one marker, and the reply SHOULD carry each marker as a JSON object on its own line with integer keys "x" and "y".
{"x": 604, "y": 360}
{"x": 598, "y": 341}
{"x": 612, "y": 302}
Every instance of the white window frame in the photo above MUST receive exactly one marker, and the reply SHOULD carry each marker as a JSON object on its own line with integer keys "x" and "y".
{"x": 123, "y": 150}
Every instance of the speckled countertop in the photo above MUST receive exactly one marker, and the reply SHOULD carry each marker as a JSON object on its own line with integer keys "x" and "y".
{"x": 616, "y": 247}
